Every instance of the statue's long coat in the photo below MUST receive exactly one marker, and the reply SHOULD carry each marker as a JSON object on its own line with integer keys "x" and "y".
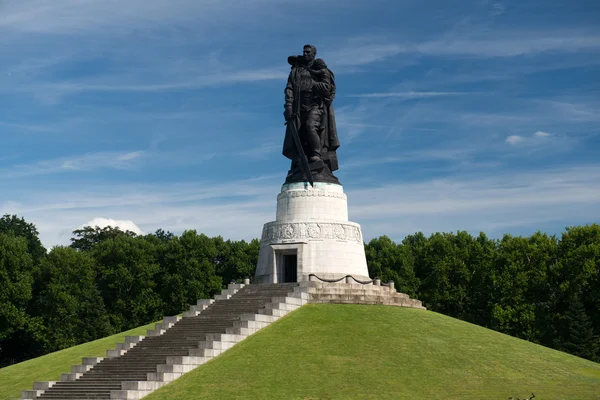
{"x": 328, "y": 134}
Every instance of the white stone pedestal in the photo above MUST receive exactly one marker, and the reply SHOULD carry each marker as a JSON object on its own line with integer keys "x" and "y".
{"x": 312, "y": 235}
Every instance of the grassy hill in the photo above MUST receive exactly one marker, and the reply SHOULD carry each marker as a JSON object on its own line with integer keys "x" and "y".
{"x": 374, "y": 352}
{"x": 359, "y": 352}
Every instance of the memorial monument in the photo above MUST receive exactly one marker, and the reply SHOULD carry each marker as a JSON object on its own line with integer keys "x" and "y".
{"x": 311, "y": 233}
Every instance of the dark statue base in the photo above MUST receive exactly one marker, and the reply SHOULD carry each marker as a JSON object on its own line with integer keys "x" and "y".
{"x": 320, "y": 172}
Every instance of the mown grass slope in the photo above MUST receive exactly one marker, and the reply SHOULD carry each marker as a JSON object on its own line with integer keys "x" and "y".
{"x": 356, "y": 352}
{"x": 18, "y": 377}
{"x": 375, "y": 352}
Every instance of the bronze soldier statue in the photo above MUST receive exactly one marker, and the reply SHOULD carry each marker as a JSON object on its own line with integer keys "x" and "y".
{"x": 310, "y": 120}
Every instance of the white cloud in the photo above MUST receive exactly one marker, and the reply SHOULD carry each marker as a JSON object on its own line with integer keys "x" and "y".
{"x": 537, "y": 138}
{"x": 130, "y": 156}
{"x": 494, "y": 203}
{"x": 514, "y": 139}
{"x": 124, "y": 225}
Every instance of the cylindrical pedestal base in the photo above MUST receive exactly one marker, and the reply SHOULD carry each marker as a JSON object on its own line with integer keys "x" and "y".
{"x": 312, "y": 235}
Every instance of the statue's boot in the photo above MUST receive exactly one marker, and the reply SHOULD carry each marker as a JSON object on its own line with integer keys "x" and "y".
{"x": 315, "y": 163}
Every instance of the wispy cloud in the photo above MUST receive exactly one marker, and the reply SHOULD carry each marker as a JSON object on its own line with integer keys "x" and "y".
{"x": 495, "y": 203}
{"x": 577, "y": 111}
{"x": 157, "y": 84}
{"x": 115, "y": 16}
{"x": 261, "y": 151}
{"x": 442, "y": 154}
{"x": 362, "y": 51}
{"x": 412, "y": 95}
{"x": 514, "y": 139}
{"x": 537, "y": 138}
{"x": 30, "y": 127}
{"x": 447, "y": 110}
{"x": 235, "y": 209}
{"x": 368, "y": 50}
{"x": 511, "y": 45}
{"x": 352, "y": 121}
{"x": 85, "y": 162}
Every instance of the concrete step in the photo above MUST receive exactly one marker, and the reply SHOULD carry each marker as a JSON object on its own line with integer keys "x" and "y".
{"x": 178, "y": 345}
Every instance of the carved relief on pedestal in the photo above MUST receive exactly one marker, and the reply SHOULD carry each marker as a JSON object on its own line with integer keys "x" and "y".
{"x": 274, "y": 232}
{"x": 314, "y": 231}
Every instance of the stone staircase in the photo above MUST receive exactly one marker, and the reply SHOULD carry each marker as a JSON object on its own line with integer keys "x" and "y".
{"x": 356, "y": 293}
{"x": 178, "y": 345}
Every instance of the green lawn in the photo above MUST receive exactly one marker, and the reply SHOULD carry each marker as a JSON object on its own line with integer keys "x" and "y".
{"x": 356, "y": 352}
{"x": 376, "y": 352}
{"x": 21, "y": 376}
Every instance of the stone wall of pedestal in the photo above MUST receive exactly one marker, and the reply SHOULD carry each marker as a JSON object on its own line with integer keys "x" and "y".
{"x": 312, "y": 223}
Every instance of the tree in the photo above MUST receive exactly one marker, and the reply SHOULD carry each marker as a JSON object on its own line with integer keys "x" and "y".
{"x": 444, "y": 271}
{"x": 127, "y": 271}
{"x": 481, "y": 259}
{"x": 389, "y": 261}
{"x": 188, "y": 272}
{"x": 235, "y": 259}
{"x": 69, "y": 302}
{"x": 16, "y": 280}
{"x": 18, "y": 227}
{"x": 513, "y": 275}
{"x": 580, "y": 339}
{"x": 576, "y": 279}
{"x": 87, "y": 237}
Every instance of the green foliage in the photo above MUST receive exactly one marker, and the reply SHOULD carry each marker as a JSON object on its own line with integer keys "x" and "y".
{"x": 16, "y": 280}
{"x": 536, "y": 288}
{"x": 86, "y": 237}
{"x": 126, "y": 277}
{"x": 540, "y": 288}
{"x": 189, "y": 271}
{"x": 236, "y": 260}
{"x": 69, "y": 303}
{"x": 579, "y": 337}
{"x": 18, "y": 227}
{"x": 389, "y": 261}
{"x": 106, "y": 281}
{"x": 576, "y": 278}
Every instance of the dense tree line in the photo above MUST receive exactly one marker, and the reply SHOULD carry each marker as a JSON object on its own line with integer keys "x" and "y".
{"x": 538, "y": 288}
{"x": 105, "y": 282}
{"x": 542, "y": 289}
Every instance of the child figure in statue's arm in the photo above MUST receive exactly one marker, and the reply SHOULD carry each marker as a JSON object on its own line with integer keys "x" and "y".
{"x": 319, "y": 72}
{"x": 318, "y": 68}
{"x": 322, "y": 76}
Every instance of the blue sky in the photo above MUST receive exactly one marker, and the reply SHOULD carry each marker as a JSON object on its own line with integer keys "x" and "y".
{"x": 477, "y": 116}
